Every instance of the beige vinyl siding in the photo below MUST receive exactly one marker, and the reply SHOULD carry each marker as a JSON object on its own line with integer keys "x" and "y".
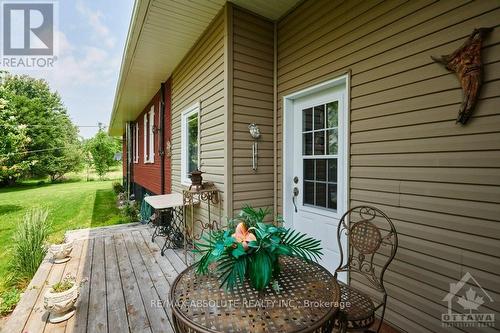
{"x": 253, "y": 53}
{"x": 437, "y": 180}
{"x": 199, "y": 78}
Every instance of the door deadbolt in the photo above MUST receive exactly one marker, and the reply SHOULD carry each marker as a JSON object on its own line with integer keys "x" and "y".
{"x": 295, "y": 179}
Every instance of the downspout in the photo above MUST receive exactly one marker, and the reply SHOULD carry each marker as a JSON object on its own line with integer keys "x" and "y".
{"x": 129, "y": 160}
{"x": 130, "y": 169}
{"x": 161, "y": 139}
{"x": 275, "y": 118}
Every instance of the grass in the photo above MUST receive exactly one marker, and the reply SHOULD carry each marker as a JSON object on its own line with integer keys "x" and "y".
{"x": 72, "y": 204}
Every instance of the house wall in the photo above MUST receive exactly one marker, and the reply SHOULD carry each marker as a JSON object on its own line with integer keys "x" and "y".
{"x": 200, "y": 78}
{"x": 148, "y": 175}
{"x": 437, "y": 180}
{"x": 253, "y": 40}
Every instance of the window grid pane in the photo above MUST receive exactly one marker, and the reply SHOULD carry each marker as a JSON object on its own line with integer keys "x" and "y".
{"x": 320, "y": 138}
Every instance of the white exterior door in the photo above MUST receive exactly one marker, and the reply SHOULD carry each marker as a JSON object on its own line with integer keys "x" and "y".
{"x": 316, "y": 159}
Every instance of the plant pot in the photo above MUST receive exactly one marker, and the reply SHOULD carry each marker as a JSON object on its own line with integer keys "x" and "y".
{"x": 61, "y": 305}
{"x": 60, "y": 252}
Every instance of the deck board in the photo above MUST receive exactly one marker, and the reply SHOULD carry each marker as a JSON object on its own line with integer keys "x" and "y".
{"x": 97, "y": 319}
{"x": 156, "y": 314}
{"x": 71, "y": 269}
{"x": 78, "y": 323}
{"x": 124, "y": 284}
{"x": 38, "y": 317}
{"x": 117, "y": 314}
{"x": 159, "y": 280}
{"x": 137, "y": 318}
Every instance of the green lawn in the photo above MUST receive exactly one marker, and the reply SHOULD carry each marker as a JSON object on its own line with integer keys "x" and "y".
{"x": 72, "y": 204}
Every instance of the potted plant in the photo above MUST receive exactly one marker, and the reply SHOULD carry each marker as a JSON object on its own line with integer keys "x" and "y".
{"x": 60, "y": 299}
{"x": 250, "y": 249}
{"x": 60, "y": 252}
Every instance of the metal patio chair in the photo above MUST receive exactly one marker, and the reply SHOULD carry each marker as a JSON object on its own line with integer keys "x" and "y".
{"x": 372, "y": 244}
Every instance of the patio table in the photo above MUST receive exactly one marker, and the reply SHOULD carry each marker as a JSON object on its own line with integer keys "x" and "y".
{"x": 169, "y": 209}
{"x": 307, "y": 302}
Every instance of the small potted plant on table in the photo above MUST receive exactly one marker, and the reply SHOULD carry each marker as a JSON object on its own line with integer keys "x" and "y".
{"x": 251, "y": 249}
{"x": 60, "y": 299}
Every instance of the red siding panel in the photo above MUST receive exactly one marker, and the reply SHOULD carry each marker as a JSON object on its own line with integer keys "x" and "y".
{"x": 148, "y": 175}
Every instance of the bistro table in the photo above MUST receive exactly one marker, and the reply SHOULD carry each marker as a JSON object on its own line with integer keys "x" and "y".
{"x": 307, "y": 302}
{"x": 170, "y": 218}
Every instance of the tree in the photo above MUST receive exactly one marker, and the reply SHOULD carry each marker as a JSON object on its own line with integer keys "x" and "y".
{"x": 53, "y": 137}
{"x": 13, "y": 143}
{"x": 102, "y": 147}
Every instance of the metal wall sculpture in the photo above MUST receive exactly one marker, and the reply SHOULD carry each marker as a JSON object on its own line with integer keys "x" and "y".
{"x": 466, "y": 63}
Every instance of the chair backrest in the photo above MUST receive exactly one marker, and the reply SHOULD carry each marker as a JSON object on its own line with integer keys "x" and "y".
{"x": 372, "y": 244}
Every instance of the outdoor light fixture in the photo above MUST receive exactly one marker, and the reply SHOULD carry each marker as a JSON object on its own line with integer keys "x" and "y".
{"x": 255, "y": 133}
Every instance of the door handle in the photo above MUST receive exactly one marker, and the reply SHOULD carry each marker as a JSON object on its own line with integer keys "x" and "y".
{"x": 295, "y": 194}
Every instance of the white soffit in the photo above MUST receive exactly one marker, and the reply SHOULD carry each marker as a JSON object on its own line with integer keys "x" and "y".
{"x": 160, "y": 35}
{"x": 272, "y": 9}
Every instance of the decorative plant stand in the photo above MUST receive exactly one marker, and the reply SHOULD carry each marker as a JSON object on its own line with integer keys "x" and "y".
{"x": 208, "y": 198}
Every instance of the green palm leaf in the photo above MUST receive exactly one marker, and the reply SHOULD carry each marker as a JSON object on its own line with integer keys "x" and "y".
{"x": 232, "y": 270}
{"x": 301, "y": 246}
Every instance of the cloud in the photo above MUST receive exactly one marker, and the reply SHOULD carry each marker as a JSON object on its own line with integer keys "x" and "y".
{"x": 79, "y": 68}
{"x": 86, "y": 69}
{"x": 94, "y": 19}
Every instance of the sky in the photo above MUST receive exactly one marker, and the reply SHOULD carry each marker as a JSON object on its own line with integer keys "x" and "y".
{"x": 91, "y": 37}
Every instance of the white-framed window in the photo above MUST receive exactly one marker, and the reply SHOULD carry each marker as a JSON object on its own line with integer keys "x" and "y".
{"x": 151, "y": 124}
{"x": 149, "y": 136}
{"x": 145, "y": 137}
{"x": 190, "y": 142}
{"x": 136, "y": 143}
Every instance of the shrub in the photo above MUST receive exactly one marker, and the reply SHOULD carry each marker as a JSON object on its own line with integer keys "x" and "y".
{"x": 130, "y": 210}
{"x": 8, "y": 300}
{"x": 29, "y": 245}
{"x": 117, "y": 187}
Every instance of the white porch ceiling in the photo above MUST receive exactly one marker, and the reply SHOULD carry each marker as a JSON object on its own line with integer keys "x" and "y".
{"x": 161, "y": 32}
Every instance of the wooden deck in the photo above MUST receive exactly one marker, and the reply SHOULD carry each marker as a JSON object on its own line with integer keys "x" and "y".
{"x": 125, "y": 284}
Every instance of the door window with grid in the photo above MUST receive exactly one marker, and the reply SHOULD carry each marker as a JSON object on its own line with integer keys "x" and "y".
{"x": 320, "y": 155}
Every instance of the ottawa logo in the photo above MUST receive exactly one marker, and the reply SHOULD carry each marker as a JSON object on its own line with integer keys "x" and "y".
{"x": 469, "y": 297}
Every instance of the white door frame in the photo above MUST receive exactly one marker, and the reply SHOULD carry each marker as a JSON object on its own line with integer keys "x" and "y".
{"x": 288, "y": 137}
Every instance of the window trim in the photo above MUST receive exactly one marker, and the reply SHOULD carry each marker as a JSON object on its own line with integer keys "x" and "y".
{"x": 136, "y": 143}
{"x": 145, "y": 137}
{"x": 151, "y": 123}
{"x": 193, "y": 109}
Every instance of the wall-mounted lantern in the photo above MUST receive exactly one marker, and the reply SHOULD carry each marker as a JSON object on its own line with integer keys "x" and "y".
{"x": 168, "y": 148}
{"x": 255, "y": 133}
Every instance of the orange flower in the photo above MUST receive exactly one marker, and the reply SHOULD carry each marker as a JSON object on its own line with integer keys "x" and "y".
{"x": 243, "y": 236}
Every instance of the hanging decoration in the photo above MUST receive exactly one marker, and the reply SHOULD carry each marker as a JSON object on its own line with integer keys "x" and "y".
{"x": 466, "y": 63}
